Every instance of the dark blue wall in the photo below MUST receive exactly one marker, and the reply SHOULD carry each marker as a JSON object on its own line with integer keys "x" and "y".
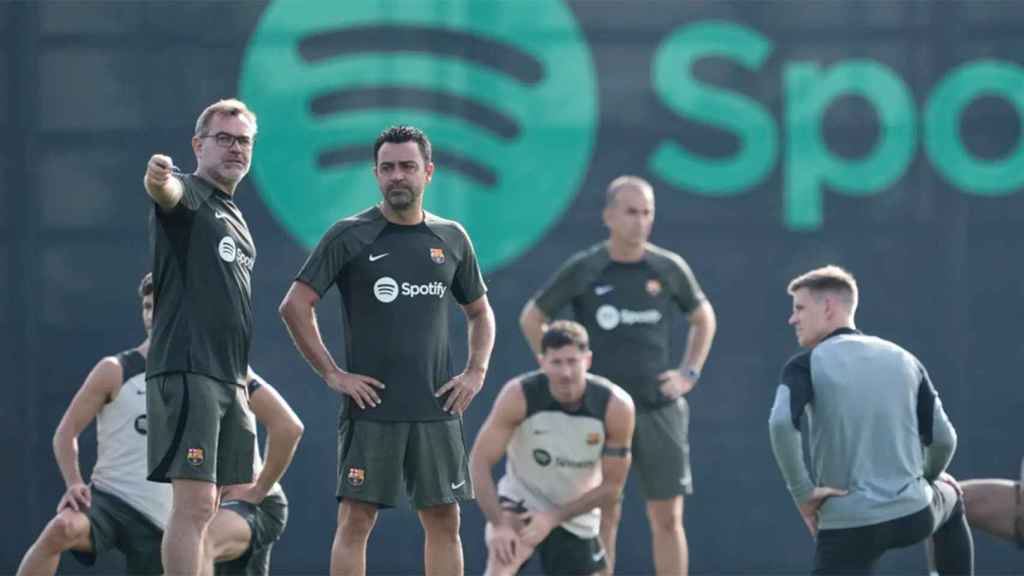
{"x": 91, "y": 89}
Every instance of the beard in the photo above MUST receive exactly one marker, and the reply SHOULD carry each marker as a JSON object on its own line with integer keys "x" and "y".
{"x": 401, "y": 198}
{"x": 229, "y": 175}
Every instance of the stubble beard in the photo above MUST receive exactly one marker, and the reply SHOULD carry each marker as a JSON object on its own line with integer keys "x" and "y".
{"x": 401, "y": 202}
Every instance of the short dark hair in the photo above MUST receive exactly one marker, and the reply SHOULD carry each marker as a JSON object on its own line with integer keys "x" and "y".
{"x": 562, "y": 333}
{"x": 146, "y": 286}
{"x": 829, "y": 278}
{"x": 401, "y": 134}
{"x": 229, "y": 107}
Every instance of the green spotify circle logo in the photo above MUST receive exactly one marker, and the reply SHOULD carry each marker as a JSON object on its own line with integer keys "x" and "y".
{"x": 505, "y": 90}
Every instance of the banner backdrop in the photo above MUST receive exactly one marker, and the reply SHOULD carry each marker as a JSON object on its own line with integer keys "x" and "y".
{"x": 779, "y": 136}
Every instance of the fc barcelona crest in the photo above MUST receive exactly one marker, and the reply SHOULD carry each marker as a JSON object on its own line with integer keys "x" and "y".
{"x": 356, "y": 477}
{"x": 653, "y": 287}
{"x": 593, "y": 438}
{"x": 437, "y": 255}
{"x": 195, "y": 456}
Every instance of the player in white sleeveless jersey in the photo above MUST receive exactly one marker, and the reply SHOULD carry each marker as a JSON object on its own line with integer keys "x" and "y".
{"x": 253, "y": 516}
{"x": 119, "y": 508}
{"x": 566, "y": 436}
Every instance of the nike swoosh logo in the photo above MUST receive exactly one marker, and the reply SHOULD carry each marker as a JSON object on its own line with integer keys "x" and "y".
{"x": 602, "y": 290}
{"x": 459, "y": 485}
{"x": 220, "y": 215}
{"x": 597, "y": 557}
{"x": 375, "y": 257}
{"x": 540, "y": 431}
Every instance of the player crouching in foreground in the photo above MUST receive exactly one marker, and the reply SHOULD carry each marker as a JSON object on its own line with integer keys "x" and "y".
{"x": 566, "y": 436}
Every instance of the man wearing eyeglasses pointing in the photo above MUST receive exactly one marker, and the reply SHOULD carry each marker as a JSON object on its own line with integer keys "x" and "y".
{"x": 200, "y": 434}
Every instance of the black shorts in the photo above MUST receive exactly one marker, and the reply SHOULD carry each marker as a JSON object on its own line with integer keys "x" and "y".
{"x": 198, "y": 429}
{"x": 562, "y": 552}
{"x": 267, "y": 522}
{"x": 377, "y": 459}
{"x": 661, "y": 451}
{"x": 857, "y": 550}
{"x": 113, "y": 523}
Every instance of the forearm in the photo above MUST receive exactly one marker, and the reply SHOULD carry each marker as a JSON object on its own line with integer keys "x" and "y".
{"x": 305, "y": 332}
{"x": 280, "y": 451}
{"x": 486, "y": 491}
{"x": 610, "y": 515}
{"x": 601, "y": 496}
{"x": 481, "y": 340}
{"x": 531, "y": 322}
{"x": 788, "y": 451}
{"x": 65, "y": 451}
{"x": 168, "y": 194}
{"x": 698, "y": 340}
{"x": 939, "y": 453}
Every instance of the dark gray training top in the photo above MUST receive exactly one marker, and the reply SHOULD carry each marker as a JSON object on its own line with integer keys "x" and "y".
{"x": 396, "y": 283}
{"x": 625, "y": 307}
{"x": 203, "y": 258}
{"x": 871, "y": 408}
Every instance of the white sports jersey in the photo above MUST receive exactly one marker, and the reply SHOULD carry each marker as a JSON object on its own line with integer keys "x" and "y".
{"x": 554, "y": 456}
{"x": 121, "y": 466}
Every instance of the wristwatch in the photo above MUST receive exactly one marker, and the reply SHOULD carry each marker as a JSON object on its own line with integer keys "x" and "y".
{"x": 692, "y": 373}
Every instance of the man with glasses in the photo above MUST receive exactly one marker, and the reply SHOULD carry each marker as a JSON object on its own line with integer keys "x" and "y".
{"x": 201, "y": 435}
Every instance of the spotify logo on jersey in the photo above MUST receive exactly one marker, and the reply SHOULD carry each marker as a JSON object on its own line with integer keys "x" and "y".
{"x": 385, "y": 289}
{"x": 609, "y": 317}
{"x": 506, "y": 92}
{"x": 227, "y": 249}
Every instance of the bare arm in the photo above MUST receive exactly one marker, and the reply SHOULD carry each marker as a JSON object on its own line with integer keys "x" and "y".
{"x": 509, "y": 410}
{"x": 284, "y": 430}
{"x": 609, "y": 531}
{"x": 480, "y": 326}
{"x": 703, "y": 325}
{"x": 676, "y": 382}
{"x": 489, "y": 447}
{"x": 464, "y": 387}
{"x": 99, "y": 388}
{"x": 531, "y": 322}
{"x": 298, "y": 311}
{"x": 162, "y": 186}
{"x": 616, "y": 463}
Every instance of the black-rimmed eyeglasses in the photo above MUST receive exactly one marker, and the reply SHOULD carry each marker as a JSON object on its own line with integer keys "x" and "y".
{"x": 225, "y": 140}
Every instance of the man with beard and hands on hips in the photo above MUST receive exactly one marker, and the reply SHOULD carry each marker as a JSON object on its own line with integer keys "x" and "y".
{"x": 879, "y": 439}
{"x": 243, "y": 532}
{"x": 566, "y": 435}
{"x": 119, "y": 508}
{"x": 200, "y": 432}
{"x": 624, "y": 291}
{"x": 394, "y": 265}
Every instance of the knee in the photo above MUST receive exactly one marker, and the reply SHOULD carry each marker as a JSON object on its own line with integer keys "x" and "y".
{"x": 356, "y": 522}
{"x": 441, "y": 521}
{"x": 62, "y": 532}
{"x": 197, "y": 513}
{"x": 666, "y": 519}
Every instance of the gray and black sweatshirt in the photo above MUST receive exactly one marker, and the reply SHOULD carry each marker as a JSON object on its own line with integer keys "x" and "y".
{"x": 875, "y": 426}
